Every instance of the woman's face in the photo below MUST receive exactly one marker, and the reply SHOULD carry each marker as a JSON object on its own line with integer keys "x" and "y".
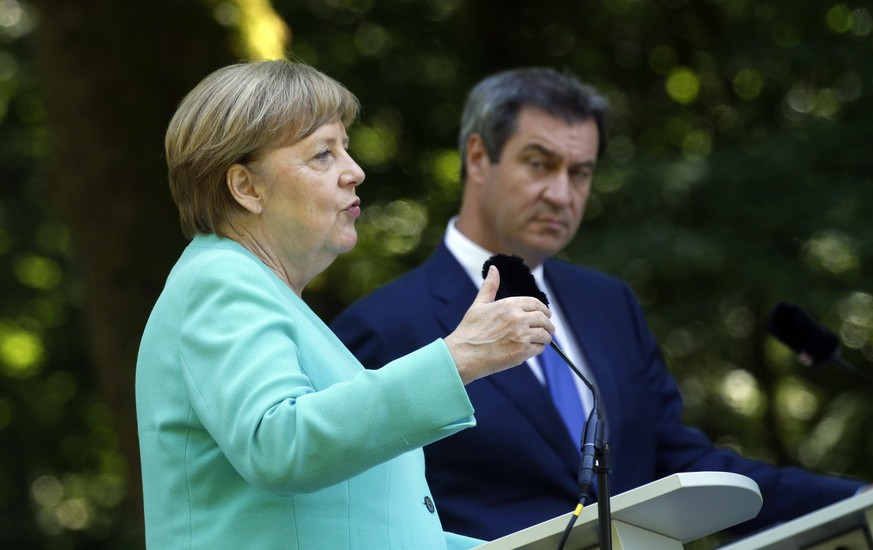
{"x": 309, "y": 206}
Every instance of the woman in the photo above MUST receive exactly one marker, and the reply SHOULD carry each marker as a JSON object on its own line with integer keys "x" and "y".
{"x": 258, "y": 429}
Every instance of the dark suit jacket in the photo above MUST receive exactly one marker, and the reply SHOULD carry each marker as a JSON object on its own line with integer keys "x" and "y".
{"x": 518, "y": 466}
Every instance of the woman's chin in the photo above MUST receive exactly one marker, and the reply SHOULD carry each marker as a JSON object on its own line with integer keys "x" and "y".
{"x": 347, "y": 244}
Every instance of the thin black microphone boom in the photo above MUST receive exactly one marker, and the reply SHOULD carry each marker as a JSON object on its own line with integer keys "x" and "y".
{"x": 516, "y": 279}
{"x": 592, "y": 436}
{"x": 814, "y": 344}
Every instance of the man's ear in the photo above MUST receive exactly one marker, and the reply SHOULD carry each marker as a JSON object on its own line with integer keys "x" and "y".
{"x": 240, "y": 182}
{"x": 477, "y": 159}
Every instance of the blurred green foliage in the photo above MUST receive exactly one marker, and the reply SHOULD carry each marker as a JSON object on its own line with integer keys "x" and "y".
{"x": 738, "y": 175}
{"x": 58, "y": 463}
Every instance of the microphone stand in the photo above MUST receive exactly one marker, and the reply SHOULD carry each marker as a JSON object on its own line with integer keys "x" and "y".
{"x": 595, "y": 461}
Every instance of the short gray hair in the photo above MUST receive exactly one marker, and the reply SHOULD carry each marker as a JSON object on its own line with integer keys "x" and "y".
{"x": 494, "y": 104}
{"x": 235, "y": 114}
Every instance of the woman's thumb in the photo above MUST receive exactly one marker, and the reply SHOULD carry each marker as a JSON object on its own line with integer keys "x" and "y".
{"x": 488, "y": 290}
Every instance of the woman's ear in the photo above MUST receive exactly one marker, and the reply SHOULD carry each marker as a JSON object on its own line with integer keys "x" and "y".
{"x": 240, "y": 182}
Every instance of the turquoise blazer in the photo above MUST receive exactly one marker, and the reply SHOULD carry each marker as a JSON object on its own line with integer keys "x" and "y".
{"x": 259, "y": 429}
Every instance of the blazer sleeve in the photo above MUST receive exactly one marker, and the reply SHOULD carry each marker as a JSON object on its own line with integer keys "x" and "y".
{"x": 248, "y": 362}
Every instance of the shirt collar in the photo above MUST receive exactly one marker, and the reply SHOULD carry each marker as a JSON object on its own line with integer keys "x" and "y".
{"x": 472, "y": 257}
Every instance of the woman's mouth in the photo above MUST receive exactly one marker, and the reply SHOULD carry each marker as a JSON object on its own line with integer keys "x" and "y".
{"x": 354, "y": 209}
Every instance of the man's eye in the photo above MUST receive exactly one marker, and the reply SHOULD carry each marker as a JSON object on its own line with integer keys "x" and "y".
{"x": 581, "y": 175}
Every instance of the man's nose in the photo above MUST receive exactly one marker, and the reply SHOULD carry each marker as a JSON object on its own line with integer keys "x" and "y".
{"x": 558, "y": 190}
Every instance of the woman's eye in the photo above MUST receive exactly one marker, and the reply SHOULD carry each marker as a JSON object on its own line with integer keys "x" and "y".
{"x": 323, "y": 155}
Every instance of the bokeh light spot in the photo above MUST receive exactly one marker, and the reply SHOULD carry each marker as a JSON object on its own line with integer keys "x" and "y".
{"x": 683, "y": 85}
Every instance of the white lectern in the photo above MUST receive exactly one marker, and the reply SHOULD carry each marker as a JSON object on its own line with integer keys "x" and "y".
{"x": 661, "y": 515}
{"x": 843, "y": 525}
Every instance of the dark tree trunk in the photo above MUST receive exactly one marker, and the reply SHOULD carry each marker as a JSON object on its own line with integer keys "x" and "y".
{"x": 113, "y": 73}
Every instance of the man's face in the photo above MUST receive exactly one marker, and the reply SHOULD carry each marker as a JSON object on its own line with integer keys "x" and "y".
{"x": 531, "y": 202}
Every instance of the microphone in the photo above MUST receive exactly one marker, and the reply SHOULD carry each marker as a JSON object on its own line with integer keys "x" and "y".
{"x": 516, "y": 279}
{"x": 814, "y": 344}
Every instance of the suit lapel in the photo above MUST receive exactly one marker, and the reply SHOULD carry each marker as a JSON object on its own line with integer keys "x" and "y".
{"x": 522, "y": 388}
{"x": 450, "y": 288}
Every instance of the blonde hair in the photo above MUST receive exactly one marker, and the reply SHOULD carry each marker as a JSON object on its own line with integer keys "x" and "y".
{"x": 235, "y": 114}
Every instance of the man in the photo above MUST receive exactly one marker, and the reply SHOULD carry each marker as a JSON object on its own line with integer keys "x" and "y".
{"x": 530, "y": 140}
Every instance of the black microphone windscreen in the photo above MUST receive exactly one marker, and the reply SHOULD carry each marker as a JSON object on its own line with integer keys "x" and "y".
{"x": 515, "y": 278}
{"x": 794, "y": 328}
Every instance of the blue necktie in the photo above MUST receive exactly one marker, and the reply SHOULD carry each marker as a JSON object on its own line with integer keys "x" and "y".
{"x": 562, "y": 388}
